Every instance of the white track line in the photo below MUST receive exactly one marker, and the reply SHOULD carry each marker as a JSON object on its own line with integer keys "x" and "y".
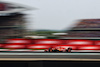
{"x": 62, "y": 59}
{"x": 50, "y": 54}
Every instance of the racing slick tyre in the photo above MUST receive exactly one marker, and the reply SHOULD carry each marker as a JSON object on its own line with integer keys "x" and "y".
{"x": 69, "y": 50}
{"x": 49, "y": 50}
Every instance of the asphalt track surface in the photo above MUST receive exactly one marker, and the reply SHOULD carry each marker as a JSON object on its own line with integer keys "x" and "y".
{"x": 50, "y": 55}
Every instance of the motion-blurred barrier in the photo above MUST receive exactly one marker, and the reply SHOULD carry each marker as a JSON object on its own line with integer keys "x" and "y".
{"x": 48, "y": 41}
{"x": 78, "y": 42}
{"x": 38, "y": 46}
{"x": 14, "y": 46}
{"x": 42, "y": 44}
{"x": 19, "y": 41}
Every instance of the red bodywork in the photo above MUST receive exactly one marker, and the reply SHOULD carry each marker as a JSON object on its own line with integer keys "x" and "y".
{"x": 58, "y": 49}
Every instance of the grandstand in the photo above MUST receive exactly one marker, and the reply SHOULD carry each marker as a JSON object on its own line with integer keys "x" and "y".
{"x": 86, "y": 28}
{"x": 12, "y": 20}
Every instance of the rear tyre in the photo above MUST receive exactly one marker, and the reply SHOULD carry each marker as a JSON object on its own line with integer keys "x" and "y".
{"x": 69, "y": 50}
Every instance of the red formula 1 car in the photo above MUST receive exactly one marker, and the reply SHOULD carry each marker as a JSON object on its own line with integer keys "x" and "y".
{"x": 59, "y": 50}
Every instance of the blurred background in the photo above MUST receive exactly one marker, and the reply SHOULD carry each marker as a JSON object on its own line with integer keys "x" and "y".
{"x": 49, "y": 19}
